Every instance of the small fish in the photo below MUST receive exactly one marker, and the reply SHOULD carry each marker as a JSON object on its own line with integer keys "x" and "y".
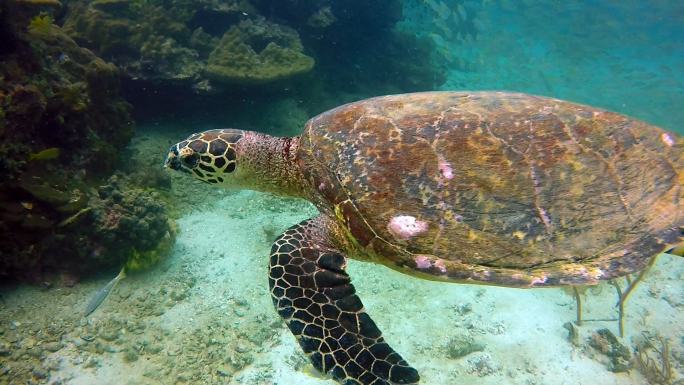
{"x": 47, "y": 154}
{"x": 63, "y": 58}
{"x": 103, "y": 293}
{"x": 677, "y": 250}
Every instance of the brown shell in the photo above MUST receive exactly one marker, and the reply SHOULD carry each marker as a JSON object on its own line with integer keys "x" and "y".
{"x": 504, "y": 188}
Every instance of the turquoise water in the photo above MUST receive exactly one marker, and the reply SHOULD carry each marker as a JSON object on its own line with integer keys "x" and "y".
{"x": 202, "y": 313}
{"x": 626, "y": 56}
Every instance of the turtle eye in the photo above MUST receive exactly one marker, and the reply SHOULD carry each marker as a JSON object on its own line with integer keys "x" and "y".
{"x": 190, "y": 160}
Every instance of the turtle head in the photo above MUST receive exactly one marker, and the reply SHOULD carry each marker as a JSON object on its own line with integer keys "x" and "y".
{"x": 210, "y": 156}
{"x": 238, "y": 159}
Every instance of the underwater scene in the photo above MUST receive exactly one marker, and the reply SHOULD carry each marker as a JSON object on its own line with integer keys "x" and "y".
{"x": 311, "y": 192}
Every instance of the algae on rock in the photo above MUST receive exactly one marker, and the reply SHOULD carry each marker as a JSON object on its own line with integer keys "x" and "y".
{"x": 258, "y": 52}
{"x": 63, "y": 129}
{"x": 619, "y": 357}
{"x": 145, "y": 40}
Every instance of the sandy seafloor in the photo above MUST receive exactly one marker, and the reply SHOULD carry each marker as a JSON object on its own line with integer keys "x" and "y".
{"x": 204, "y": 314}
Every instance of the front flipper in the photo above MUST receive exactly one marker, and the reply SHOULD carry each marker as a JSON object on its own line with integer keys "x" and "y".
{"x": 314, "y": 295}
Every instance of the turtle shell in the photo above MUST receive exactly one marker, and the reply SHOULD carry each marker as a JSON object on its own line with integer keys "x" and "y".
{"x": 498, "y": 188}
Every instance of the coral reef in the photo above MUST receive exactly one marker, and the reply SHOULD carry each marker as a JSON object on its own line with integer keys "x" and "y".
{"x": 146, "y": 40}
{"x": 184, "y": 53}
{"x": 77, "y": 230}
{"x": 57, "y": 94}
{"x": 128, "y": 225}
{"x": 358, "y": 47}
{"x": 63, "y": 128}
{"x": 258, "y": 51}
{"x": 175, "y": 42}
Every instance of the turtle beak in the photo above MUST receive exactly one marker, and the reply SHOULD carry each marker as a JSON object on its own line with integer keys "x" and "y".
{"x": 172, "y": 159}
{"x": 172, "y": 162}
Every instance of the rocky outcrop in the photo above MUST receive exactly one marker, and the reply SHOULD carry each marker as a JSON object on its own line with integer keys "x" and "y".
{"x": 63, "y": 128}
{"x": 146, "y": 41}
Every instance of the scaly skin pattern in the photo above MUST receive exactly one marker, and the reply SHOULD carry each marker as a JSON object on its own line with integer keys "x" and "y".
{"x": 266, "y": 163}
{"x": 314, "y": 295}
{"x": 497, "y": 188}
{"x": 208, "y": 155}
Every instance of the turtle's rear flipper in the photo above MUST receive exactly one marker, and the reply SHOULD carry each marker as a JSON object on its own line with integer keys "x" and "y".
{"x": 313, "y": 293}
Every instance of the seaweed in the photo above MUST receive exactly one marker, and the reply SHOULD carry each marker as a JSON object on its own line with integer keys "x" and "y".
{"x": 654, "y": 361}
{"x": 623, "y": 295}
{"x": 578, "y": 300}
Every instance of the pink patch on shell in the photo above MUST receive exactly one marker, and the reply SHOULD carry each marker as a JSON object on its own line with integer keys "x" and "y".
{"x": 321, "y": 186}
{"x": 445, "y": 168}
{"x": 441, "y": 266}
{"x": 539, "y": 280}
{"x": 667, "y": 139}
{"x": 406, "y": 227}
{"x": 422, "y": 262}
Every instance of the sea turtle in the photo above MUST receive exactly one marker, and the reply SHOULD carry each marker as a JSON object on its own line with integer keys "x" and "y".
{"x": 476, "y": 187}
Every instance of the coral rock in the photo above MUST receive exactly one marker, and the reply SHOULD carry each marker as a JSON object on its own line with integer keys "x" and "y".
{"x": 258, "y": 52}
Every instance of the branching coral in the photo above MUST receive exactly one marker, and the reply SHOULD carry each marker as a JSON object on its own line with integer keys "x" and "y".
{"x": 654, "y": 362}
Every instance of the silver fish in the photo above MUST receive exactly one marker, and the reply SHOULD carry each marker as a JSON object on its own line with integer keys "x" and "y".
{"x": 103, "y": 293}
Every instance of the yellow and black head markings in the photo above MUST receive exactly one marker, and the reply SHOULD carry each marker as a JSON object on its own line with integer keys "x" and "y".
{"x": 209, "y": 155}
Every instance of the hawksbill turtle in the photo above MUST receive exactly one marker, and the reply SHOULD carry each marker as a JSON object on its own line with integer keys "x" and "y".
{"x": 477, "y": 187}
